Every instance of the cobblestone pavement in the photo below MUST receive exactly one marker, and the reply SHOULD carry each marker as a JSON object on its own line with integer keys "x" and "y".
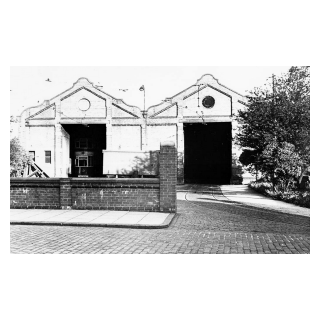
{"x": 197, "y": 228}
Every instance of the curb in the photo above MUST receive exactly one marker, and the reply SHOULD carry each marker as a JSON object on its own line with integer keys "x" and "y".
{"x": 165, "y": 224}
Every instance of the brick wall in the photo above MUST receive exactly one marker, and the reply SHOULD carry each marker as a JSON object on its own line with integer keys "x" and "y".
{"x": 168, "y": 176}
{"x": 35, "y": 193}
{"x": 115, "y": 194}
{"x": 156, "y": 194}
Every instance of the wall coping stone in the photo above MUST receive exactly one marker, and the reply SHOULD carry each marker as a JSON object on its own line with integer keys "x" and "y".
{"x": 42, "y": 180}
{"x": 113, "y": 180}
{"x": 116, "y": 180}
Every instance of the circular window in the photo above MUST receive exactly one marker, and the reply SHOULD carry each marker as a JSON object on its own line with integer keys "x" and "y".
{"x": 84, "y": 104}
{"x": 208, "y": 102}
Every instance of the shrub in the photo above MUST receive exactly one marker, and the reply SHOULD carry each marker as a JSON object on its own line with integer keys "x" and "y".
{"x": 297, "y": 197}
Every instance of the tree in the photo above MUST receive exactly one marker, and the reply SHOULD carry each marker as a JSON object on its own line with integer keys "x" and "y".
{"x": 282, "y": 163}
{"x": 18, "y": 158}
{"x": 277, "y": 118}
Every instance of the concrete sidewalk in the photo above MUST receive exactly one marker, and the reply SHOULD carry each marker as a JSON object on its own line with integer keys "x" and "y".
{"x": 99, "y": 218}
{"x": 244, "y": 194}
{"x": 237, "y": 193}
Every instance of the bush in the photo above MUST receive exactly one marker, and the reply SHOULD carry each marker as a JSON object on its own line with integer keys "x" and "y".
{"x": 297, "y": 197}
{"x": 19, "y": 158}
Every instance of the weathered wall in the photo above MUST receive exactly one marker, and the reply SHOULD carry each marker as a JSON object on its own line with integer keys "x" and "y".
{"x": 89, "y": 193}
{"x": 35, "y": 193}
{"x": 115, "y": 194}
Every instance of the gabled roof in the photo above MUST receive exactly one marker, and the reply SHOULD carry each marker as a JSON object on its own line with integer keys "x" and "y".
{"x": 80, "y": 84}
{"x": 207, "y": 80}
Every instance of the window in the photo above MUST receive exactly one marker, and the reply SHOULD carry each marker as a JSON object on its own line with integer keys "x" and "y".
{"x": 47, "y": 156}
{"x": 208, "y": 102}
{"x": 32, "y": 155}
{"x": 83, "y": 161}
{"x": 84, "y": 143}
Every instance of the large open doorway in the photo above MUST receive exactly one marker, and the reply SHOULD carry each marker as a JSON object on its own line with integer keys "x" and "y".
{"x": 86, "y": 145}
{"x": 207, "y": 150}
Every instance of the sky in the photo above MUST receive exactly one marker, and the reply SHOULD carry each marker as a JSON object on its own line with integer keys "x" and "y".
{"x": 29, "y": 87}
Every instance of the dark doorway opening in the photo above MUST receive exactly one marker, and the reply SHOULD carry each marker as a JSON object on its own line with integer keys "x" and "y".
{"x": 86, "y": 145}
{"x": 208, "y": 153}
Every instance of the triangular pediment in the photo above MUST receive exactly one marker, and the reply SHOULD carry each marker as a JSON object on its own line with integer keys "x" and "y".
{"x": 47, "y": 112}
{"x": 79, "y": 91}
{"x": 122, "y": 112}
{"x": 202, "y": 88}
{"x": 166, "y": 112}
{"x": 206, "y": 101}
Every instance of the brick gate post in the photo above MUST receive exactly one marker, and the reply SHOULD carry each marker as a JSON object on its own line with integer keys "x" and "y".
{"x": 168, "y": 176}
{"x": 65, "y": 194}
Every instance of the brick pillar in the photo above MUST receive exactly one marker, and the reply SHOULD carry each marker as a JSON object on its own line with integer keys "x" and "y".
{"x": 65, "y": 194}
{"x": 168, "y": 176}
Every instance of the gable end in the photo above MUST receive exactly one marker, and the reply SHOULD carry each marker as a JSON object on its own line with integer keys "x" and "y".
{"x": 40, "y": 111}
{"x": 82, "y": 88}
{"x": 207, "y": 85}
{"x": 134, "y": 115}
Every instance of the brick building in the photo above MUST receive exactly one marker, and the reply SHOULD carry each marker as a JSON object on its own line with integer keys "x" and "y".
{"x": 85, "y": 132}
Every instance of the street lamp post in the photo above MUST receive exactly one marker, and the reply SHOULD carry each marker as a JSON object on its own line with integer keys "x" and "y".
{"x": 144, "y": 97}
{"x": 142, "y": 88}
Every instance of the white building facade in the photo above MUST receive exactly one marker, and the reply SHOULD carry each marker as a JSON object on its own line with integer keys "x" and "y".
{"x": 86, "y": 132}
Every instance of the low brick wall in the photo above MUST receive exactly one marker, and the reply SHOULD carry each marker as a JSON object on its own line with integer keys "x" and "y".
{"x": 89, "y": 193}
{"x": 114, "y": 194}
{"x": 35, "y": 193}
{"x": 156, "y": 194}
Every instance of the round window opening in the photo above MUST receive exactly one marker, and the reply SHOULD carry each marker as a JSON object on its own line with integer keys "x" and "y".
{"x": 208, "y": 102}
{"x": 84, "y": 104}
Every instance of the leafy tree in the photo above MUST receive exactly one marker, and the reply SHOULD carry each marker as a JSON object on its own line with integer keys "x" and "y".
{"x": 18, "y": 158}
{"x": 276, "y": 122}
{"x": 282, "y": 163}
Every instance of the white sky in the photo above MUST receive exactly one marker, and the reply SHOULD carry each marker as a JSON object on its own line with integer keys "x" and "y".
{"x": 28, "y": 84}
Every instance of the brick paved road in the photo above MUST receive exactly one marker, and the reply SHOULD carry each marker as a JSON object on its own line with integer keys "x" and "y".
{"x": 198, "y": 228}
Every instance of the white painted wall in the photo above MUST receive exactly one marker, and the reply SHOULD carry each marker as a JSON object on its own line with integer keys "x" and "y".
{"x": 41, "y": 139}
